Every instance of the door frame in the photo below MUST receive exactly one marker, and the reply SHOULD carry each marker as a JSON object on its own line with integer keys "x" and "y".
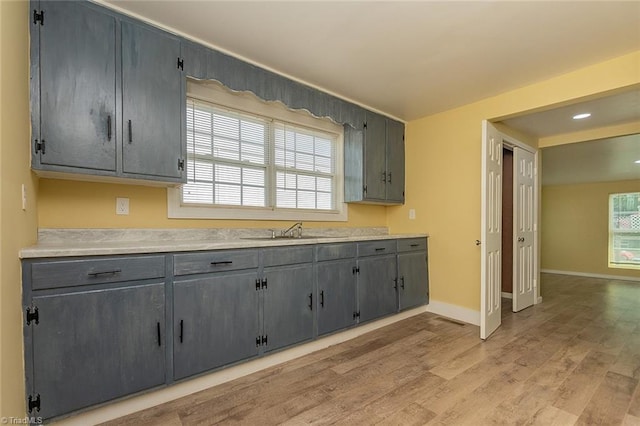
{"x": 512, "y": 142}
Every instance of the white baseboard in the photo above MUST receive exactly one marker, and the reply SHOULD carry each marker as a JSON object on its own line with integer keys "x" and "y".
{"x": 133, "y": 404}
{"x": 590, "y": 275}
{"x": 506, "y": 295}
{"x": 454, "y": 312}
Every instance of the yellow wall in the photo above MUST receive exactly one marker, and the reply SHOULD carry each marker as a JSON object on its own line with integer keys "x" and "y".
{"x": 575, "y": 231}
{"x": 73, "y": 204}
{"x": 443, "y": 172}
{"x": 17, "y": 227}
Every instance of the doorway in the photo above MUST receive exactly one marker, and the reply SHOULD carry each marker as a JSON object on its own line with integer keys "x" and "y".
{"x": 521, "y": 253}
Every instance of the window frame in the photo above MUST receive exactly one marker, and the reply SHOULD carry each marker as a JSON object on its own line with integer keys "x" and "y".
{"x": 613, "y": 232}
{"x": 245, "y": 102}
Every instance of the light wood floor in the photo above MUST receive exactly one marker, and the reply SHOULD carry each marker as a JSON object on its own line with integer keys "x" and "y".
{"x": 574, "y": 359}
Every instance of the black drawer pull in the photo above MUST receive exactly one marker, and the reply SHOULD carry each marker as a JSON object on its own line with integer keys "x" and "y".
{"x": 97, "y": 274}
{"x": 159, "y": 338}
{"x": 181, "y": 330}
{"x": 225, "y": 262}
{"x": 130, "y": 132}
{"x": 415, "y": 245}
{"x": 402, "y": 282}
{"x": 380, "y": 249}
{"x": 311, "y": 301}
{"x": 322, "y": 298}
{"x": 108, "y": 127}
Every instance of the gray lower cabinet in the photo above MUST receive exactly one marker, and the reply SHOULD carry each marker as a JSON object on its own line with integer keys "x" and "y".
{"x": 216, "y": 321}
{"x": 92, "y": 346}
{"x": 287, "y": 296}
{"x": 99, "y": 328}
{"x": 413, "y": 276}
{"x": 377, "y": 279}
{"x": 336, "y": 276}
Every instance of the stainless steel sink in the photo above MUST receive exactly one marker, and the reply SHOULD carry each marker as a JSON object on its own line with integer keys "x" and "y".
{"x": 286, "y": 238}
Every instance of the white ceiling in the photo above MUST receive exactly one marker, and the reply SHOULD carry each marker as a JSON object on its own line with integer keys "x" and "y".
{"x": 408, "y": 58}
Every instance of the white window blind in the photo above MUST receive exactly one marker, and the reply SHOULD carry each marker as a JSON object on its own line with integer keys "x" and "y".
{"x": 624, "y": 230}
{"x": 241, "y": 159}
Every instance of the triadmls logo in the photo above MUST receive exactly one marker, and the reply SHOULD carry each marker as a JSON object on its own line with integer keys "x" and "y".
{"x": 21, "y": 420}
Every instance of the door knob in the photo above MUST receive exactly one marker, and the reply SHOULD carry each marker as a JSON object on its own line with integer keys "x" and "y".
{"x": 478, "y": 242}
{"x": 521, "y": 239}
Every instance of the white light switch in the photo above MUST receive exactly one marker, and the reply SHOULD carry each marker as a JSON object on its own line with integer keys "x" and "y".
{"x": 412, "y": 214}
{"x": 122, "y": 206}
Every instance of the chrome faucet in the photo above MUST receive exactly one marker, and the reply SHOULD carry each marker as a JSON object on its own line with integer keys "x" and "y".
{"x": 294, "y": 231}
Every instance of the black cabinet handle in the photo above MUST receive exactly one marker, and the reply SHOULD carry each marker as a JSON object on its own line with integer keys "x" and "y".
{"x": 402, "y": 283}
{"x": 181, "y": 330}
{"x": 159, "y": 337}
{"x": 130, "y": 132}
{"x": 226, "y": 262}
{"x": 108, "y": 127}
{"x": 395, "y": 283}
{"x": 381, "y": 249}
{"x": 311, "y": 301}
{"x": 384, "y": 176}
{"x": 97, "y": 274}
{"x": 415, "y": 245}
{"x": 322, "y": 298}
{"x": 389, "y": 177}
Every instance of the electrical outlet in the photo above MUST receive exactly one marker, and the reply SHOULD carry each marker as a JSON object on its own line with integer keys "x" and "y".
{"x": 122, "y": 206}
{"x": 412, "y": 214}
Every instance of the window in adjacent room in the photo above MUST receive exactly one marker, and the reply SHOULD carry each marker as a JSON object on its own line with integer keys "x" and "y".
{"x": 624, "y": 230}
{"x": 249, "y": 159}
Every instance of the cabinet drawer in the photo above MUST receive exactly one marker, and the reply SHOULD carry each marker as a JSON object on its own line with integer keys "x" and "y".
{"x": 288, "y": 255}
{"x": 371, "y": 248}
{"x": 214, "y": 261}
{"x": 335, "y": 251}
{"x": 66, "y": 273}
{"x": 412, "y": 244}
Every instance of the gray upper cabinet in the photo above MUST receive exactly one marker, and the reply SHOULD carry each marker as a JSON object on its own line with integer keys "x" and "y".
{"x": 75, "y": 126}
{"x": 216, "y": 321}
{"x": 152, "y": 102}
{"x": 374, "y": 161}
{"x": 107, "y": 95}
{"x": 395, "y": 162}
{"x": 93, "y": 346}
{"x": 375, "y": 167}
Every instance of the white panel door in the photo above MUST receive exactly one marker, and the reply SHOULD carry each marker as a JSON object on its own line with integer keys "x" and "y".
{"x": 523, "y": 233}
{"x": 491, "y": 253}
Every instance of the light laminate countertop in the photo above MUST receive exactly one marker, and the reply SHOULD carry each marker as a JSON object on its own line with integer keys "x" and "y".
{"x": 93, "y": 242}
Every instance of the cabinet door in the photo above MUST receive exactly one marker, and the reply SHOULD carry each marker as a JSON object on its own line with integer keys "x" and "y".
{"x": 216, "y": 322}
{"x": 94, "y": 346}
{"x": 288, "y": 305}
{"x": 151, "y": 102}
{"x": 336, "y": 295}
{"x": 395, "y": 161}
{"x": 375, "y": 157}
{"x": 376, "y": 286}
{"x": 77, "y": 87}
{"x": 413, "y": 279}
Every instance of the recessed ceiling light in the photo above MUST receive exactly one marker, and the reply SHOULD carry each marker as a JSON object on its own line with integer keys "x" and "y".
{"x": 637, "y": 161}
{"x": 581, "y": 116}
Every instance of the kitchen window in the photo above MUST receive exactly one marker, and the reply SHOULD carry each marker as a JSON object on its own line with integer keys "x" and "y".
{"x": 249, "y": 159}
{"x": 624, "y": 230}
